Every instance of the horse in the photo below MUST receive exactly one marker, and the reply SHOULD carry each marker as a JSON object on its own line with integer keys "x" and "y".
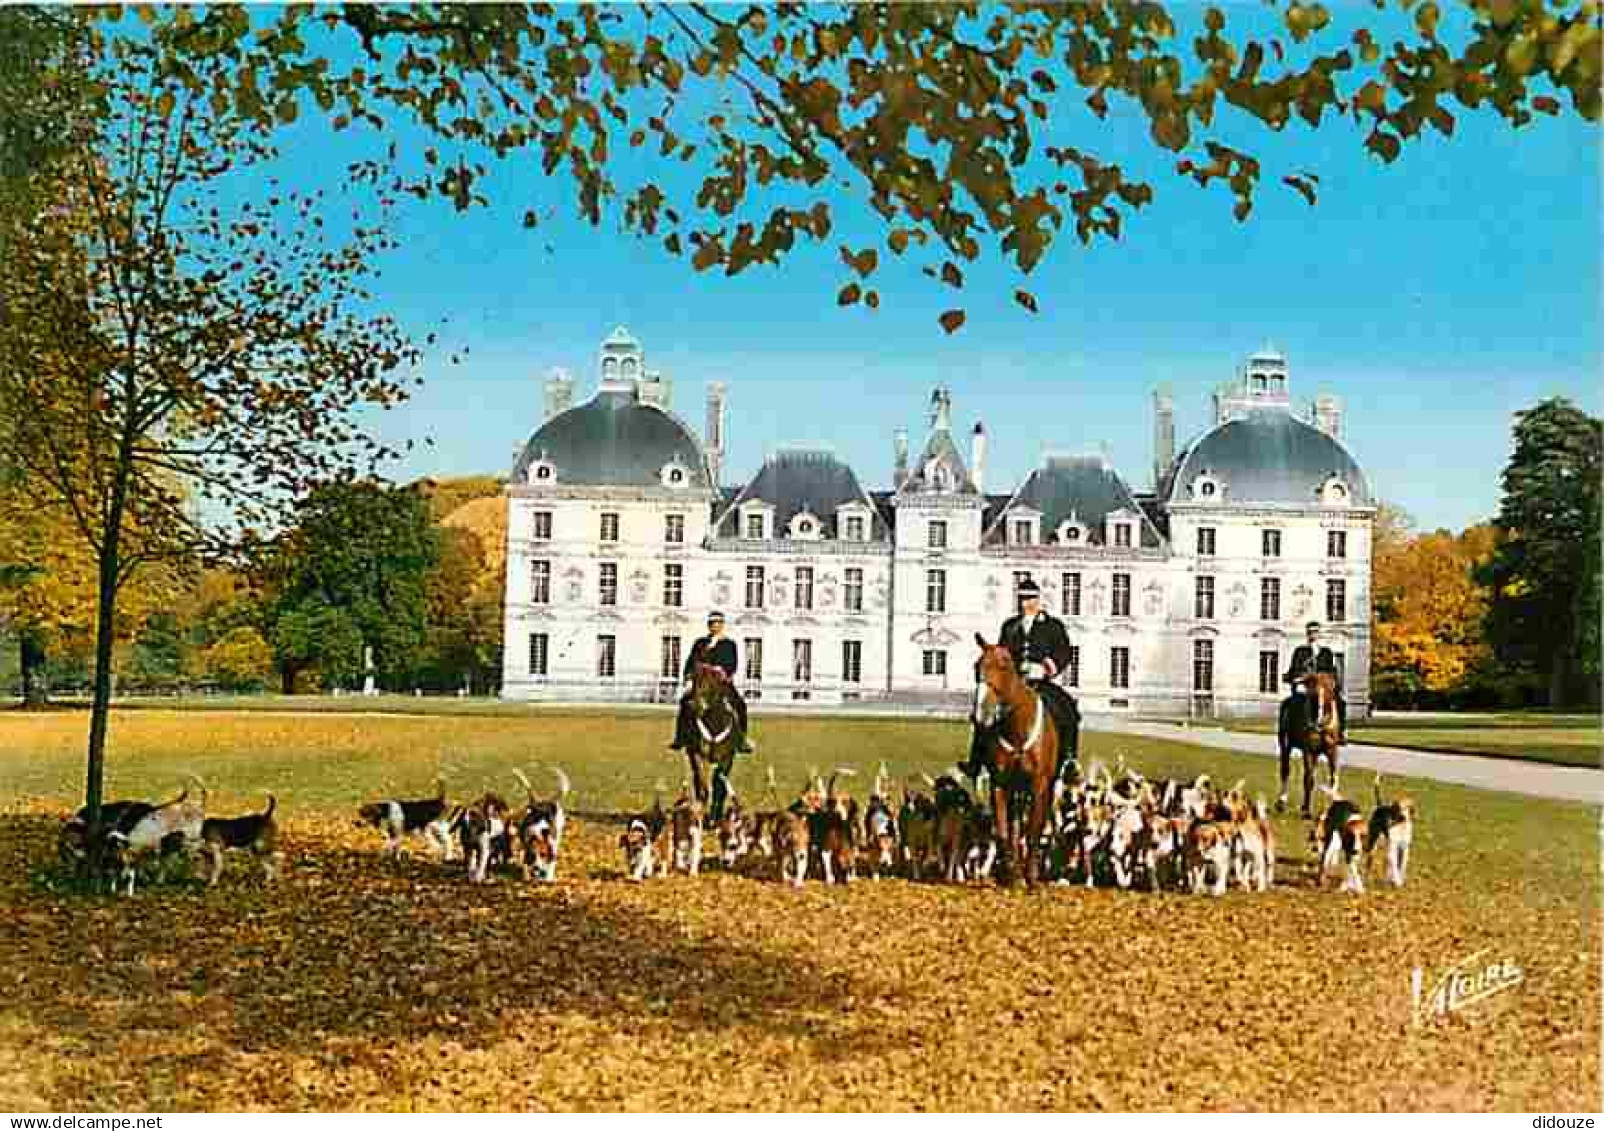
{"x": 1314, "y": 739}
{"x": 713, "y": 717}
{"x": 1025, "y": 743}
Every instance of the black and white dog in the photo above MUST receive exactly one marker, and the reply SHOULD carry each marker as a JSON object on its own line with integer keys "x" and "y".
{"x": 540, "y": 829}
{"x": 431, "y": 816}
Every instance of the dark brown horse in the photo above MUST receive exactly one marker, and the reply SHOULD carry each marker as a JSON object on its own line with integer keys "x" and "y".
{"x": 1314, "y": 734}
{"x": 1025, "y": 753}
{"x": 713, "y": 743}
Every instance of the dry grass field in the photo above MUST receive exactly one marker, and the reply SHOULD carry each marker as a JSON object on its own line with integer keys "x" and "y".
{"x": 354, "y": 984}
{"x": 1566, "y": 740}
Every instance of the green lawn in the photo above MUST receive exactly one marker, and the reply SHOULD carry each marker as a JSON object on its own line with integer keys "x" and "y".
{"x": 357, "y": 984}
{"x": 1571, "y": 740}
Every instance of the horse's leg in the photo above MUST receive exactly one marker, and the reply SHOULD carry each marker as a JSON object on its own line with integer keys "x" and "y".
{"x": 698, "y": 777}
{"x": 721, "y": 789}
{"x": 1284, "y": 741}
{"x": 1002, "y": 829}
{"x": 1033, "y": 829}
{"x": 1308, "y": 774}
{"x": 1332, "y": 751}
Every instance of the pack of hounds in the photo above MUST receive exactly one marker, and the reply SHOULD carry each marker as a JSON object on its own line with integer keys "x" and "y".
{"x": 1110, "y": 827}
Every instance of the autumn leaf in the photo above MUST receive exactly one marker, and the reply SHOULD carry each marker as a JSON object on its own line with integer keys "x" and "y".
{"x": 951, "y": 320}
{"x": 849, "y": 295}
{"x": 1026, "y": 300}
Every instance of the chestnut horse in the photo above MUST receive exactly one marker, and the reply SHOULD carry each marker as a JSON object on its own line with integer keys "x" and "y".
{"x": 713, "y": 717}
{"x": 1025, "y": 752}
{"x": 1314, "y": 740}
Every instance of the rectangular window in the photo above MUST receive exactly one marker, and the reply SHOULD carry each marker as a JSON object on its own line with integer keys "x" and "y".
{"x": 1122, "y": 535}
{"x": 804, "y": 587}
{"x": 802, "y": 661}
{"x": 609, "y": 527}
{"x": 754, "y": 587}
{"x": 852, "y": 661}
{"x": 674, "y": 585}
{"x": 855, "y": 528}
{"x": 1020, "y": 577}
{"x": 609, "y": 583}
{"x": 1269, "y": 672}
{"x": 1121, "y": 597}
{"x": 852, "y": 596}
{"x": 754, "y": 526}
{"x": 1022, "y": 532}
{"x": 1072, "y": 594}
{"x": 539, "y": 650}
{"x": 1336, "y": 600}
{"x": 1072, "y": 676}
{"x": 1119, "y": 667}
{"x": 1202, "y": 665}
{"x": 1205, "y": 598}
{"x": 937, "y": 533}
{"x": 671, "y": 657}
{"x": 1336, "y": 543}
{"x": 754, "y": 658}
{"x": 674, "y": 529}
{"x": 935, "y": 661}
{"x": 1271, "y": 543}
{"x": 1269, "y": 598}
{"x": 606, "y": 656}
{"x": 542, "y": 526}
{"x": 540, "y": 583}
{"x": 1205, "y": 541}
{"x": 935, "y": 590}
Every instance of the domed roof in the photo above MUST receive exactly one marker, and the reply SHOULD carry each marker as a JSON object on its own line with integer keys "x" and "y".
{"x": 615, "y": 440}
{"x": 1268, "y": 456}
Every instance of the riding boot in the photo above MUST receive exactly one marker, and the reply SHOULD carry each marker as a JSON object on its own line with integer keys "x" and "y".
{"x": 743, "y": 741}
{"x": 978, "y": 763}
{"x": 1342, "y": 720}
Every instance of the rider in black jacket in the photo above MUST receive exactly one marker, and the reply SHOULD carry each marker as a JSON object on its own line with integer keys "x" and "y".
{"x": 718, "y": 650}
{"x": 1313, "y": 658}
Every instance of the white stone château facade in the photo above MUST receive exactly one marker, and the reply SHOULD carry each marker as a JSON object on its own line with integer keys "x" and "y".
{"x": 1185, "y": 600}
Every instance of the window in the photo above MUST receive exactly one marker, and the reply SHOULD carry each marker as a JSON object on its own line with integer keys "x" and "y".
{"x": 674, "y": 529}
{"x": 540, "y": 583}
{"x": 606, "y": 656}
{"x": 1205, "y": 599}
{"x": 802, "y": 661}
{"x": 935, "y": 590}
{"x": 671, "y": 659}
{"x": 1121, "y": 597}
{"x": 1336, "y": 543}
{"x": 1269, "y": 598}
{"x": 852, "y": 661}
{"x": 1205, "y": 541}
{"x": 1202, "y": 665}
{"x": 1269, "y": 672}
{"x": 539, "y": 650}
{"x": 1336, "y": 600}
{"x": 542, "y": 526}
{"x": 804, "y": 587}
{"x": 852, "y": 597}
{"x": 935, "y": 661}
{"x": 1072, "y": 673}
{"x": 754, "y": 658}
{"x": 1271, "y": 543}
{"x": 1122, "y": 535}
{"x": 1119, "y": 667}
{"x": 754, "y": 587}
{"x": 609, "y": 583}
{"x": 754, "y": 526}
{"x": 609, "y": 527}
{"x": 937, "y": 534}
{"x": 1020, "y": 577}
{"x": 855, "y": 528}
{"x": 1022, "y": 532}
{"x": 1072, "y": 594}
{"x": 674, "y": 585}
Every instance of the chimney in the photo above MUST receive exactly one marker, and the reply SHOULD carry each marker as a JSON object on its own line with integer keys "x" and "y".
{"x": 559, "y": 392}
{"x": 977, "y": 458}
{"x": 713, "y": 435}
{"x": 1163, "y": 434}
{"x": 899, "y": 468}
{"x": 655, "y": 389}
{"x": 1327, "y": 415}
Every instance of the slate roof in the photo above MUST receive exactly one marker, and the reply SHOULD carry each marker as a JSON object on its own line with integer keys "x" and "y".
{"x": 793, "y": 480}
{"x": 1268, "y": 456}
{"x": 614, "y": 440}
{"x": 1084, "y": 488}
{"x": 940, "y": 448}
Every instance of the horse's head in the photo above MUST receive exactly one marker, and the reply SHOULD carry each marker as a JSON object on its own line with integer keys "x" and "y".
{"x": 708, "y": 684}
{"x": 996, "y": 681}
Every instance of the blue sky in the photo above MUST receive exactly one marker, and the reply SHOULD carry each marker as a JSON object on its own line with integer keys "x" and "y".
{"x": 1436, "y": 296}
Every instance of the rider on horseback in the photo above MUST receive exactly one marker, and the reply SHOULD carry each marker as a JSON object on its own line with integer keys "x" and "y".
{"x": 716, "y": 650}
{"x": 1040, "y": 649}
{"x": 1311, "y": 659}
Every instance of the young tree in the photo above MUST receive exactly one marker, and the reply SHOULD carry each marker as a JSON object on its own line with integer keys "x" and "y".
{"x": 169, "y": 350}
{"x": 1545, "y": 572}
{"x": 961, "y": 126}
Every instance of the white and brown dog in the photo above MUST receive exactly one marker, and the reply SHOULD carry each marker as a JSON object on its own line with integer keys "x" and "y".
{"x": 1337, "y": 842}
{"x": 256, "y": 833}
{"x": 486, "y": 832}
{"x": 880, "y": 829}
{"x": 917, "y": 822}
{"x": 792, "y": 843}
{"x": 685, "y": 822}
{"x": 165, "y": 830}
{"x": 431, "y": 816}
{"x": 734, "y": 832}
{"x": 646, "y": 843}
{"x": 1392, "y": 825}
{"x": 540, "y": 828}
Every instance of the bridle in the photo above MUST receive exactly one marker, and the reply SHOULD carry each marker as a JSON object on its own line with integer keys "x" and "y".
{"x": 985, "y": 694}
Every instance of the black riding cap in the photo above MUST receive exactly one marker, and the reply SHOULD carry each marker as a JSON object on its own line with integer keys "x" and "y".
{"x": 715, "y": 617}
{"x": 1028, "y": 588}
{"x": 1311, "y": 624}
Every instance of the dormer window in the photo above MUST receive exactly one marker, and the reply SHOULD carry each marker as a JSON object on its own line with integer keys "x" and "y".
{"x": 1072, "y": 533}
{"x": 674, "y": 475}
{"x": 1334, "y": 491}
{"x": 852, "y": 522}
{"x": 1122, "y": 535}
{"x": 1206, "y": 488}
{"x": 757, "y": 521}
{"x": 805, "y": 526}
{"x": 540, "y": 472}
{"x": 1022, "y": 531}
{"x": 854, "y": 528}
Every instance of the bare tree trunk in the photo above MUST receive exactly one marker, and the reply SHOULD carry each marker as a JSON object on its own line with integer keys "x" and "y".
{"x": 35, "y": 691}
{"x": 106, "y": 627}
